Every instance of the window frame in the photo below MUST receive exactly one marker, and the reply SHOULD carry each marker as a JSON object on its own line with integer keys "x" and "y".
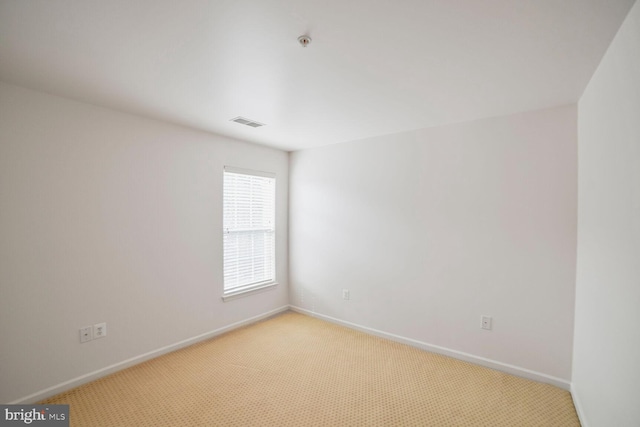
{"x": 247, "y": 289}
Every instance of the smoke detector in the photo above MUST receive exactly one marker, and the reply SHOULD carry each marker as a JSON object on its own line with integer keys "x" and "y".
{"x": 304, "y": 40}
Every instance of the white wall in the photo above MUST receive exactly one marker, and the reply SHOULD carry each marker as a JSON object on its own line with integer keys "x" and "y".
{"x": 108, "y": 217}
{"x": 433, "y": 228}
{"x": 606, "y": 364}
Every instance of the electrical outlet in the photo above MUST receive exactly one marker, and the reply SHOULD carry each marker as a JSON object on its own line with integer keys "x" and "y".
{"x": 485, "y": 322}
{"x": 345, "y": 294}
{"x": 99, "y": 330}
{"x": 86, "y": 334}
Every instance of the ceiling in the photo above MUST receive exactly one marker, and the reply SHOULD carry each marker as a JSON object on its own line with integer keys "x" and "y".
{"x": 373, "y": 67}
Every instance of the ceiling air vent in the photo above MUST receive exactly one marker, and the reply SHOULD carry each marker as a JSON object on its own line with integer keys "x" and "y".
{"x": 244, "y": 121}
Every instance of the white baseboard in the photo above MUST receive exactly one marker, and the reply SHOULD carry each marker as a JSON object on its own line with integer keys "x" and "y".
{"x": 75, "y": 382}
{"x": 488, "y": 363}
{"x": 503, "y": 367}
{"x": 576, "y": 402}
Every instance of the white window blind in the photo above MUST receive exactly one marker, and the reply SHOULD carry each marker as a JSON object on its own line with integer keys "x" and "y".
{"x": 248, "y": 229}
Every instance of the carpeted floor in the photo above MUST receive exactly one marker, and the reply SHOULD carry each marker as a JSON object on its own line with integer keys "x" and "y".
{"x": 294, "y": 370}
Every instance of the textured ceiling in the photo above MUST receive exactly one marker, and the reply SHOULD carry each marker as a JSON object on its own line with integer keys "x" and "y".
{"x": 373, "y": 68}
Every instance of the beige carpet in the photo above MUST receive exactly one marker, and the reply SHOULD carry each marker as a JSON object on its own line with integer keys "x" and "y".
{"x": 294, "y": 370}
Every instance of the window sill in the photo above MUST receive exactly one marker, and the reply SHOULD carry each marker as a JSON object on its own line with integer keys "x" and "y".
{"x": 243, "y": 292}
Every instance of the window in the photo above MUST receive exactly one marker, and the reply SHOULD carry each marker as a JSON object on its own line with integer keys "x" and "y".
{"x": 248, "y": 230}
